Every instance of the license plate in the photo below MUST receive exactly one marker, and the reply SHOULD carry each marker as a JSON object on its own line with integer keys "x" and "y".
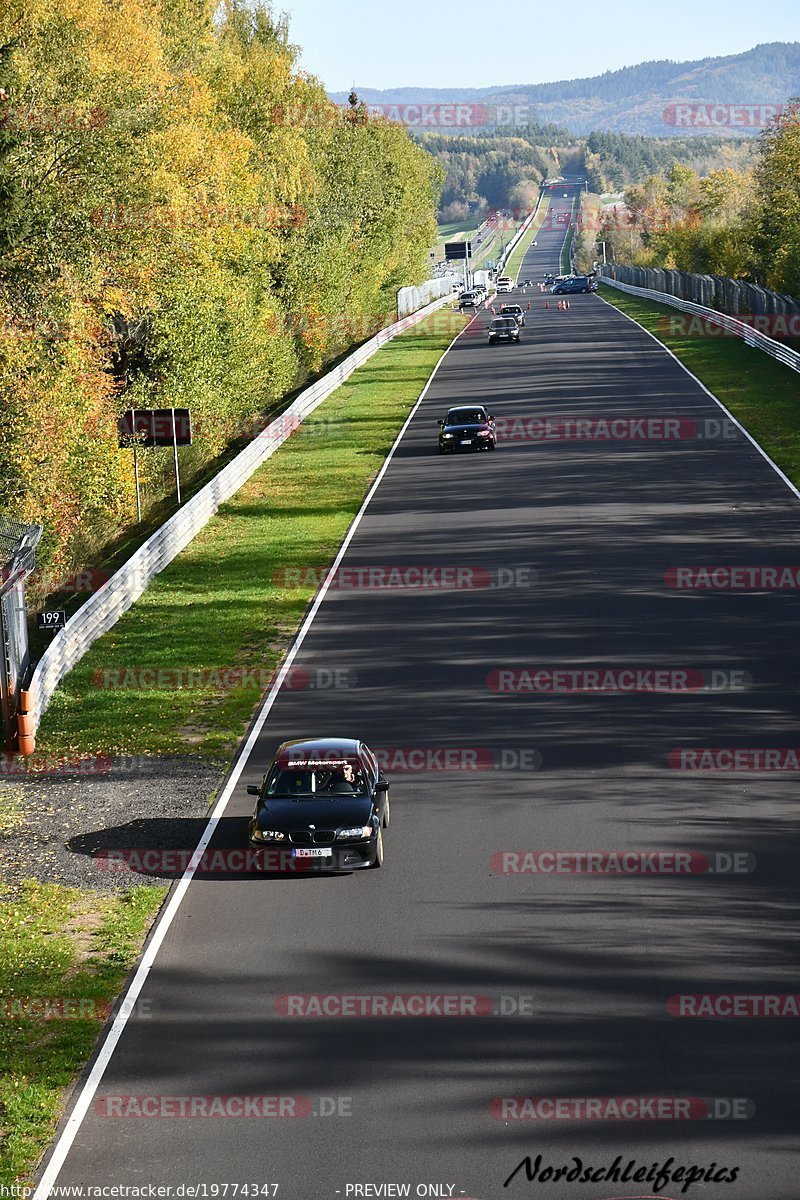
{"x": 466, "y": 441}
{"x": 316, "y": 852}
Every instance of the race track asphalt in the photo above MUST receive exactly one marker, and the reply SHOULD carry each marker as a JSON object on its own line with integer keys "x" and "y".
{"x": 566, "y": 545}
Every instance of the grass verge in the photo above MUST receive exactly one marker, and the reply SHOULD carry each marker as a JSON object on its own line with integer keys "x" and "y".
{"x": 760, "y": 392}
{"x": 515, "y": 261}
{"x": 64, "y": 955}
{"x": 217, "y": 622}
{"x": 447, "y": 231}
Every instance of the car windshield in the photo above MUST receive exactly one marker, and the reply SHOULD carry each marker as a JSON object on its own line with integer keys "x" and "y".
{"x": 511, "y": 308}
{"x": 465, "y": 416}
{"x": 316, "y": 781}
{"x": 504, "y": 323}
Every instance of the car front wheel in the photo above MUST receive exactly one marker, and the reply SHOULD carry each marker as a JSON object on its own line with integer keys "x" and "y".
{"x": 378, "y": 851}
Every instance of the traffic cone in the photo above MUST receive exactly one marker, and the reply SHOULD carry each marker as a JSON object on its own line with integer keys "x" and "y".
{"x": 547, "y": 303}
{"x": 529, "y": 306}
{"x": 566, "y": 303}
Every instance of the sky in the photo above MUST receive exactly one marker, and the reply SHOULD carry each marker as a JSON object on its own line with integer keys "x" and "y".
{"x": 416, "y": 43}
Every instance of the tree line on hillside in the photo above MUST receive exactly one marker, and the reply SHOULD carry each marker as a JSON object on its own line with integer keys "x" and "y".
{"x": 185, "y": 220}
{"x": 502, "y": 169}
{"x": 613, "y": 160}
{"x": 752, "y": 76}
{"x": 744, "y": 224}
{"x": 487, "y": 171}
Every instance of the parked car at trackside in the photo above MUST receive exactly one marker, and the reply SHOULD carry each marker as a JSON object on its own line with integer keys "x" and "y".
{"x": 578, "y": 283}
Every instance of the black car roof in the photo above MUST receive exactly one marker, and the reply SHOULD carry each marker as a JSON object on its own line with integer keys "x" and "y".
{"x": 310, "y": 748}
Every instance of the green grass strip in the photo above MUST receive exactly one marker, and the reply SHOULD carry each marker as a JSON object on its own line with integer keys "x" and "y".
{"x": 454, "y": 231}
{"x": 761, "y": 393}
{"x": 515, "y": 261}
{"x": 64, "y": 956}
{"x": 223, "y": 607}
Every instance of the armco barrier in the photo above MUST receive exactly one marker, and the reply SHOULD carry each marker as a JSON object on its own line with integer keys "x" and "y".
{"x": 110, "y": 601}
{"x": 783, "y": 354}
{"x": 523, "y": 229}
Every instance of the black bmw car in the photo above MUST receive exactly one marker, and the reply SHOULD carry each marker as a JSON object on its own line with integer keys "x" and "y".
{"x": 324, "y": 800}
{"x": 503, "y": 329}
{"x": 468, "y": 427}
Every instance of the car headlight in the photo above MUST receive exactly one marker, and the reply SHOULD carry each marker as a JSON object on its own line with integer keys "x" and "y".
{"x": 448, "y": 435}
{"x": 361, "y": 831}
{"x": 267, "y": 835}
{"x": 484, "y": 433}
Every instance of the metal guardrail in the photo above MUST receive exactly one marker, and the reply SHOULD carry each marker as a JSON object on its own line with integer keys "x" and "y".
{"x": 760, "y": 341}
{"x": 109, "y": 602}
{"x": 523, "y": 229}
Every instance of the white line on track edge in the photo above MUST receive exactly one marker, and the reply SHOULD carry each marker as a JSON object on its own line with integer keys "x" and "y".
{"x": 707, "y": 391}
{"x": 68, "y": 1134}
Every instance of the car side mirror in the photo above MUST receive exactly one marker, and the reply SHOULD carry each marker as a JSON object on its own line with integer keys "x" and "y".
{"x": 440, "y": 422}
{"x": 382, "y": 785}
{"x": 253, "y": 789}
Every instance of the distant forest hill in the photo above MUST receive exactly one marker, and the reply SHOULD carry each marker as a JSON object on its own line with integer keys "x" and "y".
{"x": 735, "y": 94}
{"x": 491, "y": 170}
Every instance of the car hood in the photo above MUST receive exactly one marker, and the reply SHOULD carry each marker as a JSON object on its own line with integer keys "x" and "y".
{"x": 290, "y": 815}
